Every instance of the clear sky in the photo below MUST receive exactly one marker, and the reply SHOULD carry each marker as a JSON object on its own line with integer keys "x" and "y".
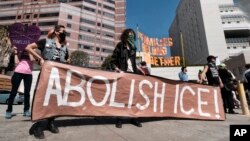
{"x": 154, "y": 17}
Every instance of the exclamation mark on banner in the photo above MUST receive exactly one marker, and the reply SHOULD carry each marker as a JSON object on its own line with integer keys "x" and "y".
{"x": 216, "y": 105}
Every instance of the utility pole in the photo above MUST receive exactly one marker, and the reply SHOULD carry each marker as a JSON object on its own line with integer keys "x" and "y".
{"x": 183, "y": 52}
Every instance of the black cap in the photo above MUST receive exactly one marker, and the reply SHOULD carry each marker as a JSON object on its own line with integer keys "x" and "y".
{"x": 247, "y": 66}
{"x": 210, "y": 57}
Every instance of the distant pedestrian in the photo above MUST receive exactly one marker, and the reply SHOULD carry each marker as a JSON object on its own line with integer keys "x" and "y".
{"x": 183, "y": 74}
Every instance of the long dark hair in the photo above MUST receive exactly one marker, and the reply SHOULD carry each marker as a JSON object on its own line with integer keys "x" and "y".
{"x": 125, "y": 33}
{"x": 56, "y": 29}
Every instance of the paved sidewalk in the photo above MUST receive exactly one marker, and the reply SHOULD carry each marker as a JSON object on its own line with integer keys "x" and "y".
{"x": 103, "y": 129}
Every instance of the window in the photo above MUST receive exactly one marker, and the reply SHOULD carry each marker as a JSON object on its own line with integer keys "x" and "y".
{"x": 10, "y": 17}
{"x": 228, "y": 47}
{"x": 90, "y": 1}
{"x": 80, "y": 37}
{"x": 234, "y": 47}
{"x": 68, "y": 25}
{"x": 110, "y": 1}
{"x": 244, "y": 47}
{"x": 107, "y": 42}
{"x": 87, "y": 38}
{"x": 67, "y": 34}
{"x": 69, "y": 16}
{"x": 27, "y": 16}
{"x": 87, "y": 29}
{"x": 49, "y": 15}
{"x": 238, "y": 21}
{"x": 108, "y": 15}
{"x": 75, "y": 0}
{"x": 223, "y": 22}
{"x": 109, "y": 8}
{"x": 10, "y": 5}
{"x": 97, "y": 49}
{"x": 47, "y": 23}
{"x": 229, "y": 22}
{"x": 87, "y": 21}
{"x": 108, "y": 26}
{"x": 110, "y": 35}
{"x": 98, "y": 24}
{"x": 89, "y": 9}
{"x": 107, "y": 50}
{"x": 85, "y": 47}
{"x": 63, "y": 1}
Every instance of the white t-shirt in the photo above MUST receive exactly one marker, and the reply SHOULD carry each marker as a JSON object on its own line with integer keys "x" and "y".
{"x": 130, "y": 68}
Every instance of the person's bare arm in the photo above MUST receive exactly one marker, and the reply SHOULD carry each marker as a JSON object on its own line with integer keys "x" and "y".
{"x": 31, "y": 49}
{"x": 221, "y": 84}
{"x": 203, "y": 74}
{"x": 16, "y": 56}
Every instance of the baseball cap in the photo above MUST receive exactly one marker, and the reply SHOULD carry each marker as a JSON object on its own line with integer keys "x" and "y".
{"x": 210, "y": 57}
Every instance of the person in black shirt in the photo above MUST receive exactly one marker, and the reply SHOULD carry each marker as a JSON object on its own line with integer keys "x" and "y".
{"x": 52, "y": 48}
{"x": 226, "y": 91}
{"x": 211, "y": 72}
{"x": 124, "y": 60}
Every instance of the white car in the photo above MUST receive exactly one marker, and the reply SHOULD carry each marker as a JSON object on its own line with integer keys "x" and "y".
{"x": 4, "y": 97}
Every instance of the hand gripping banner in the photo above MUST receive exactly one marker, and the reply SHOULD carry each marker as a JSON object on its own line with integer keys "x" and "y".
{"x": 65, "y": 90}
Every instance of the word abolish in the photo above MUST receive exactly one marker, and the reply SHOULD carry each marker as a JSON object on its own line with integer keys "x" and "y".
{"x": 84, "y": 89}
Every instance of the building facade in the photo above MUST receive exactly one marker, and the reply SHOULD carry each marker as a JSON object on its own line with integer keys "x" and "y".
{"x": 211, "y": 27}
{"x": 236, "y": 28}
{"x": 93, "y": 26}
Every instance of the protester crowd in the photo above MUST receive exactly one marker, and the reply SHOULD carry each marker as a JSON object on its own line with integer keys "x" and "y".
{"x": 55, "y": 48}
{"x": 220, "y": 76}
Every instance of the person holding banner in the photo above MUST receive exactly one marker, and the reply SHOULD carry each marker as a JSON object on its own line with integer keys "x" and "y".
{"x": 23, "y": 71}
{"x": 124, "y": 60}
{"x": 53, "y": 48}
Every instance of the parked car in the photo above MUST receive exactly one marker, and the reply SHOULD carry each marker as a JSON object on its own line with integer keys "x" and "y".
{"x": 4, "y": 97}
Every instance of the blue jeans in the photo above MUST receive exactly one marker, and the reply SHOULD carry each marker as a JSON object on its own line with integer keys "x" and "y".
{"x": 15, "y": 81}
